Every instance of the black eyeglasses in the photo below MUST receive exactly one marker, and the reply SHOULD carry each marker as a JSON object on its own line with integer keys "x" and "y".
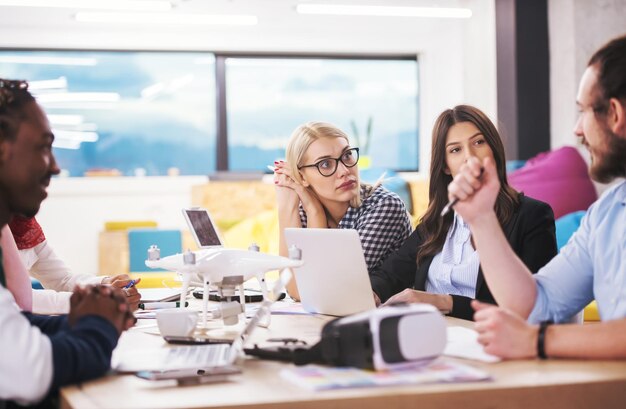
{"x": 327, "y": 167}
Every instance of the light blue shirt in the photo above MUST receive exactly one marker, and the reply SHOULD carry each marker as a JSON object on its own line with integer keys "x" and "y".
{"x": 591, "y": 265}
{"x": 454, "y": 270}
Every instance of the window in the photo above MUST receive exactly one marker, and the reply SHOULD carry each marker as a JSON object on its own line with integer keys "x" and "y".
{"x": 135, "y": 112}
{"x": 155, "y": 113}
{"x": 373, "y": 101}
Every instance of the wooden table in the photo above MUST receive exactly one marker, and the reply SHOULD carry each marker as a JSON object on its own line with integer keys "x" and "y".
{"x": 517, "y": 384}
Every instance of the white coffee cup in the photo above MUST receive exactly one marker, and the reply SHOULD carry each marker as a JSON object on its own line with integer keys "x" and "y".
{"x": 177, "y": 322}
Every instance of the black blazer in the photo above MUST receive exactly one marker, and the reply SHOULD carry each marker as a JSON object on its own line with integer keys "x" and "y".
{"x": 530, "y": 233}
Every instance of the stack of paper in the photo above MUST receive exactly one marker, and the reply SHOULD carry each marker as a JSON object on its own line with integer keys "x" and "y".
{"x": 317, "y": 377}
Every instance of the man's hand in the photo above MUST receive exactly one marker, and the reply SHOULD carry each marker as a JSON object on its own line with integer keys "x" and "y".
{"x": 443, "y": 302}
{"x": 121, "y": 281}
{"x": 477, "y": 194}
{"x": 106, "y": 302}
{"x": 503, "y": 333}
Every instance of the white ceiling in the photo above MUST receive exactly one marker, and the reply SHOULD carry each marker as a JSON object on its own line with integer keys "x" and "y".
{"x": 279, "y": 28}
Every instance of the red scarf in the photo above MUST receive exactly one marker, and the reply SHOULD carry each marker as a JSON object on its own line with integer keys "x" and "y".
{"x": 26, "y": 231}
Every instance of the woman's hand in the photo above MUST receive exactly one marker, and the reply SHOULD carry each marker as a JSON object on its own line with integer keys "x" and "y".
{"x": 286, "y": 195}
{"x": 376, "y": 299}
{"x": 443, "y": 302}
{"x": 283, "y": 178}
{"x": 122, "y": 281}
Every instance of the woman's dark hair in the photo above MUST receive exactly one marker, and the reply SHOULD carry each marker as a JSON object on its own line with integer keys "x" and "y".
{"x": 14, "y": 96}
{"x": 610, "y": 60}
{"x": 432, "y": 227}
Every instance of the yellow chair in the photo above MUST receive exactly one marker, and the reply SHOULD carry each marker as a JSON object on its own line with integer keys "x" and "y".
{"x": 591, "y": 312}
{"x": 261, "y": 229}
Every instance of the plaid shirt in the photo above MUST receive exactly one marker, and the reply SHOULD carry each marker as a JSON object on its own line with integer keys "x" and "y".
{"x": 382, "y": 222}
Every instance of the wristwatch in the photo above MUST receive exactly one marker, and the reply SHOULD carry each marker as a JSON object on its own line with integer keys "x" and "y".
{"x": 541, "y": 339}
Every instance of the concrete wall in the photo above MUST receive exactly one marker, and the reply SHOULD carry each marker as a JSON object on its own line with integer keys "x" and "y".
{"x": 577, "y": 29}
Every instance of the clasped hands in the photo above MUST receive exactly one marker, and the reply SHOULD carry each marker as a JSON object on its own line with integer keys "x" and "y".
{"x": 104, "y": 301}
{"x": 290, "y": 193}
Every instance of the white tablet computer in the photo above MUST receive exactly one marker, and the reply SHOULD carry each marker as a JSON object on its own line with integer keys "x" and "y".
{"x": 202, "y": 227}
{"x": 333, "y": 279}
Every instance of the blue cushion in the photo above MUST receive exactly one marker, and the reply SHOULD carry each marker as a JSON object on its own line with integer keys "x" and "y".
{"x": 392, "y": 182}
{"x": 566, "y": 226}
{"x": 140, "y": 240}
{"x": 35, "y": 284}
{"x": 512, "y": 165}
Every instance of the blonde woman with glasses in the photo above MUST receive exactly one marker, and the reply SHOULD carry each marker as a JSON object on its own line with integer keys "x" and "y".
{"x": 318, "y": 186}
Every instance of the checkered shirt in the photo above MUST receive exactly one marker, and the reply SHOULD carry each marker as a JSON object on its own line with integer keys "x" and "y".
{"x": 382, "y": 222}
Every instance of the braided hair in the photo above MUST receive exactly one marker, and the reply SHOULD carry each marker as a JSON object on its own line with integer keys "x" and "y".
{"x": 14, "y": 96}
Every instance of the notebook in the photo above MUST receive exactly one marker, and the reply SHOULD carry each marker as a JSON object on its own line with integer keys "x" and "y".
{"x": 197, "y": 356}
{"x": 334, "y": 278}
{"x": 159, "y": 294}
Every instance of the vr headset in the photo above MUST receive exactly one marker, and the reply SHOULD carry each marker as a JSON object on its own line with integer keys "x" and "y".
{"x": 384, "y": 338}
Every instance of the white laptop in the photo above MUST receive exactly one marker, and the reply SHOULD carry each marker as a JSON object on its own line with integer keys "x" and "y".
{"x": 334, "y": 278}
{"x": 202, "y": 227}
{"x": 196, "y": 357}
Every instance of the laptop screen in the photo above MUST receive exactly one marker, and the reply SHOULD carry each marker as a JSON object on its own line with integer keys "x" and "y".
{"x": 202, "y": 227}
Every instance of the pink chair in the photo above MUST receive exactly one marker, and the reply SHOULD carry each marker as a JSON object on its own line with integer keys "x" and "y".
{"x": 559, "y": 178}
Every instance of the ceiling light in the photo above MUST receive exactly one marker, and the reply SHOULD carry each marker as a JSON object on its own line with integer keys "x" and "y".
{"x": 78, "y": 97}
{"x": 77, "y": 136}
{"x": 146, "y": 5}
{"x": 42, "y": 85}
{"x": 59, "y": 119}
{"x": 15, "y": 59}
{"x": 384, "y": 11}
{"x": 66, "y": 144}
{"x": 169, "y": 18}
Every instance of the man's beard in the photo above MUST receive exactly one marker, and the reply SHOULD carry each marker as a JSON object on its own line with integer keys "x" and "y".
{"x": 610, "y": 161}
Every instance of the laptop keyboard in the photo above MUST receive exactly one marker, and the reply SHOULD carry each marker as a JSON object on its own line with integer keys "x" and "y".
{"x": 198, "y": 355}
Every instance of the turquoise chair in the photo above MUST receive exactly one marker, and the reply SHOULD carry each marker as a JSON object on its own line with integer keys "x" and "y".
{"x": 392, "y": 182}
{"x": 35, "y": 284}
{"x": 566, "y": 226}
{"x": 139, "y": 241}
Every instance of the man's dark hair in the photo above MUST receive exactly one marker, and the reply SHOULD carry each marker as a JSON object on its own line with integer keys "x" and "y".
{"x": 14, "y": 96}
{"x": 610, "y": 60}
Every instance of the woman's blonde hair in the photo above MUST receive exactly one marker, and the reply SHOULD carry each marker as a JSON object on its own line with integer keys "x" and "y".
{"x": 302, "y": 137}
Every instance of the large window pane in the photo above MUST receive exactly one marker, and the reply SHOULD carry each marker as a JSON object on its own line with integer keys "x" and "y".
{"x": 268, "y": 97}
{"x": 135, "y": 112}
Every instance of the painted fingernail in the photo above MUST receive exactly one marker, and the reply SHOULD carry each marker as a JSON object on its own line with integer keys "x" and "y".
{"x": 275, "y": 182}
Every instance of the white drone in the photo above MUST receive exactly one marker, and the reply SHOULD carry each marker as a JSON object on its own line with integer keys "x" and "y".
{"x": 224, "y": 269}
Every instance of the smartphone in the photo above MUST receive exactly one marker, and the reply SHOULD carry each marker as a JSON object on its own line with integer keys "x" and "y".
{"x": 196, "y": 340}
{"x": 191, "y": 375}
{"x": 250, "y": 295}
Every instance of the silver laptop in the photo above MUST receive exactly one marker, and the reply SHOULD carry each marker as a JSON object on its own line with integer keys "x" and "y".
{"x": 202, "y": 227}
{"x": 197, "y": 357}
{"x": 334, "y": 278}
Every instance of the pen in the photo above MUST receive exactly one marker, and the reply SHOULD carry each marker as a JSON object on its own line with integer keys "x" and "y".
{"x": 130, "y": 284}
{"x": 160, "y": 305}
{"x": 454, "y": 201}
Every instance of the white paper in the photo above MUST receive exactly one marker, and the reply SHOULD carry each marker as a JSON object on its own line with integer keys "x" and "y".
{"x": 463, "y": 343}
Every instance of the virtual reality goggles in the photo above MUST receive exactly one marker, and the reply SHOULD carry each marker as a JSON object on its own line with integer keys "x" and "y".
{"x": 384, "y": 338}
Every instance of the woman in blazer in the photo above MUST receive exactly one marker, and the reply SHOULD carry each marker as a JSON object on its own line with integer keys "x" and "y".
{"x": 438, "y": 264}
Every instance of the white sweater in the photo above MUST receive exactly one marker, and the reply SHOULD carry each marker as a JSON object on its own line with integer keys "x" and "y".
{"x": 25, "y": 355}
{"x": 57, "y": 279}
